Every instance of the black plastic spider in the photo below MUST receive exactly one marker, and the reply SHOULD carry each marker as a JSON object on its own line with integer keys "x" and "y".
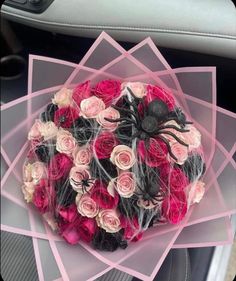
{"x": 150, "y": 192}
{"x": 150, "y": 124}
{"x": 84, "y": 183}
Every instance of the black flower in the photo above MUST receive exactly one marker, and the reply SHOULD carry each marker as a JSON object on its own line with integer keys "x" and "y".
{"x": 83, "y": 130}
{"x": 103, "y": 169}
{"x": 108, "y": 241}
{"x": 48, "y": 115}
{"x": 45, "y": 152}
{"x": 65, "y": 195}
{"x": 194, "y": 167}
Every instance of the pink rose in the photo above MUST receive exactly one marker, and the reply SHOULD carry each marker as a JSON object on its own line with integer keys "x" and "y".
{"x": 44, "y": 196}
{"x": 49, "y": 130}
{"x": 86, "y": 206}
{"x": 79, "y": 175}
{"x": 154, "y": 155}
{"x": 28, "y": 191}
{"x": 132, "y": 229}
{"x": 123, "y": 157}
{"x": 177, "y": 180}
{"x": 103, "y": 197}
{"x": 35, "y": 131}
{"x": 192, "y": 138}
{"x": 65, "y": 116}
{"x": 87, "y": 229}
{"x": 81, "y": 92}
{"x": 82, "y": 156}
{"x": 91, "y": 107}
{"x": 104, "y": 144}
{"x": 63, "y": 97}
{"x": 196, "y": 192}
{"x": 38, "y": 171}
{"x": 69, "y": 231}
{"x": 108, "y": 91}
{"x": 138, "y": 89}
{"x": 174, "y": 207}
{"x": 125, "y": 184}
{"x": 109, "y": 220}
{"x": 110, "y": 113}
{"x": 180, "y": 152}
{"x": 69, "y": 214}
{"x": 155, "y": 92}
{"x": 59, "y": 166}
{"x": 65, "y": 143}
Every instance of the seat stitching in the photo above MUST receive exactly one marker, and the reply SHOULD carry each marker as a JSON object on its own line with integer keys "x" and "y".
{"x": 127, "y": 28}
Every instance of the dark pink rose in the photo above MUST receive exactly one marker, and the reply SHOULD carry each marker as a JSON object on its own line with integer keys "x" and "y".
{"x": 154, "y": 155}
{"x": 87, "y": 229}
{"x": 69, "y": 231}
{"x": 108, "y": 90}
{"x": 101, "y": 196}
{"x": 69, "y": 213}
{"x": 59, "y": 166}
{"x": 178, "y": 180}
{"x": 174, "y": 207}
{"x": 65, "y": 116}
{"x": 104, "y": 145}
{"x": 81, "y": 92}
{"x": 44, "y": 196}
{"x": 131, "y": 229}
{"x": 155, "y": 92}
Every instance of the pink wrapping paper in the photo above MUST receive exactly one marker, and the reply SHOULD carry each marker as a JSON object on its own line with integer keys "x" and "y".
{"x": 195, "y": 90}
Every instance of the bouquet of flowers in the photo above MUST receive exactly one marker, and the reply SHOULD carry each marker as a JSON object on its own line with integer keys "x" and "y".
{"x": 114, "y": 150}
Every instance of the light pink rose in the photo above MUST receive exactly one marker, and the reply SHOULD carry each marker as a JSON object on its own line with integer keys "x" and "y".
{"x": 27, "y": 173}
{"x": 125, "y": 184}
{"x": 65, "y": 142}
{"x": 196, "y": 192}
{"x": 86, "y": 206}
{"x": 28, "y": 191}
{"x": 109, "y": 220}
{"x": 63, "y": 98}
{"x": 82, "y": 156}
{"x": 110, "y": 113}
{"x": 180, "y": 152}
{"x": 38, "y": 171}
{"x": 138, "y": 89}
{"x": 91, "y": 107}
{"x": 48, "y": 130}
{"x": 35, "y": 131}
{"x": 50, "y": 220}
{"x": 123, "y": 157}
{"x": 192, "y": 138}
{"x": 79, "y": 174}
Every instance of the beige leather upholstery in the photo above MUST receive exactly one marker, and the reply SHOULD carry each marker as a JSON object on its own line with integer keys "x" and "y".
{"x": 207, "y": 26}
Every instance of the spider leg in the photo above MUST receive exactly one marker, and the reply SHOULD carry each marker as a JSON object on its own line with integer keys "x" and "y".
{"x": 174, "y": 136}
{"x": 135, "y": 135}
{"x": 120, "y": 120}
{"x": 126, "y": 111}
{"x": 173, "y": 127}
{"x": 168, "y": 147}
{"x": 177, "y": 120}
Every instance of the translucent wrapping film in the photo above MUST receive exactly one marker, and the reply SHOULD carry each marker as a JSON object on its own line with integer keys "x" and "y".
{"x": 194, "y": 91}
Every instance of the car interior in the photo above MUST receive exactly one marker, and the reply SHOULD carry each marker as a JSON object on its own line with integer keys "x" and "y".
{"x": 188, "y": 33}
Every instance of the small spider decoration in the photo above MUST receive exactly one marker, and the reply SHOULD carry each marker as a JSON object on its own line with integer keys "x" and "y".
{"x": 152, "y": 123}
{"x": 151, "y": 195}
{"x": 85, "y": 183}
